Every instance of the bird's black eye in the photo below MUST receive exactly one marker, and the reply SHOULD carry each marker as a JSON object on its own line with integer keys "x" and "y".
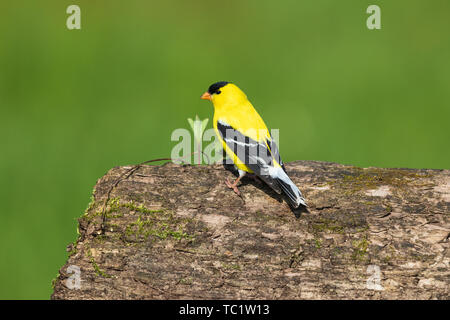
{"x": 218, "y": 92}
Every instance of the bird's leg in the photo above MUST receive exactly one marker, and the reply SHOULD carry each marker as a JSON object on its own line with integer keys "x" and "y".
{"x": 234, "y": 185}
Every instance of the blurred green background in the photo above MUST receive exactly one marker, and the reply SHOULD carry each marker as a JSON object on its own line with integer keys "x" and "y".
{"x": 74, "y": 104}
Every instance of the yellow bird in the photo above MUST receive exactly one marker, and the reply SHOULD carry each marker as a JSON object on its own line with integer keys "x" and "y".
{"x": 247, "y": 141}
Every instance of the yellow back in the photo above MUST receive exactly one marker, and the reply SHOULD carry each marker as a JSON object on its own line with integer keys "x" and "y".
{"x": 233, "y": 107}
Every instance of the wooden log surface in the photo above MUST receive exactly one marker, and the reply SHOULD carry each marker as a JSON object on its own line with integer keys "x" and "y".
{"x": 177, "y": 232}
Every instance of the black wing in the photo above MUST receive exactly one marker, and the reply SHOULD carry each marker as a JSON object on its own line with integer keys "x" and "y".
{"x": 257, "y": 156}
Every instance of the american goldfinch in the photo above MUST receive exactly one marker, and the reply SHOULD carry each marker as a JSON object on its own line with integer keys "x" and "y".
{"x": 247, "y": 141}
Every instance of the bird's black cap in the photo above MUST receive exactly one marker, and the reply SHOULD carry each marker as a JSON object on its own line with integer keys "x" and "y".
{"x": 214, "y": 88}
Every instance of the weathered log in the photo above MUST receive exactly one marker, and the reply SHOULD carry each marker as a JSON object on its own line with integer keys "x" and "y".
{"x": 177, "y": 232}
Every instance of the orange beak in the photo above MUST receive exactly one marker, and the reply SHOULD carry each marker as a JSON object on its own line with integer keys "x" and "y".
{"x": 206, "y": 96}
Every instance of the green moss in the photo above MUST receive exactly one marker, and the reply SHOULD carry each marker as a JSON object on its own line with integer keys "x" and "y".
{"x": 100, "y": 238}
{"x": 132, "y": 206}
{"x": 360, "y": 247}
{"x": 315, "y": 243}
{"x": 186, "y": 281}
{"x": 372, "y": 178}
{"x": 318, "y": 243}
{"x": 157, "y": 223}
{"x": 73, "y": 249}
{"x": 328, "y": 225}
{"x": 97, "y": 269}
{"x": 114, "y": 206}
{"x": 54, "y": 280}
{"x": 231, "y": 266}
{"x": 91, "y": 204}
{"x": 159, "y": 226}
{"x": 362, "y": 229}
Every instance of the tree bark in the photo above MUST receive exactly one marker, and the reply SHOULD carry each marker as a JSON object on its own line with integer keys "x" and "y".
{"x": 177, "y": 232}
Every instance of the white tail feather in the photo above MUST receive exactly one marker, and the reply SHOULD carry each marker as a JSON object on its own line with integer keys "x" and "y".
{"x": 288, "y": 187}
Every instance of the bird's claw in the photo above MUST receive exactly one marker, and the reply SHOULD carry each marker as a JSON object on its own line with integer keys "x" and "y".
{"x": 233, "y": 186}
